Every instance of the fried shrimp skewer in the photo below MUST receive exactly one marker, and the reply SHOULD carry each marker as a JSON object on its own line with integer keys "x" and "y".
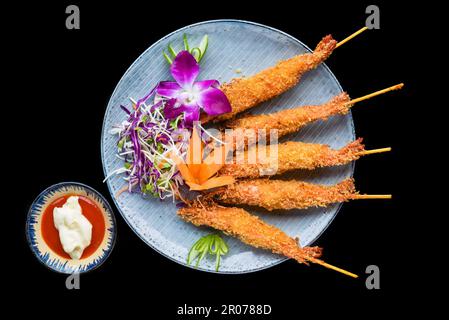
{"x": 292, "y": 120}
{"x": 253, "y": 231}
{"x": 282, "y": 194}
{"x": 245, "y": 93}
{"x": 293, "y": 155}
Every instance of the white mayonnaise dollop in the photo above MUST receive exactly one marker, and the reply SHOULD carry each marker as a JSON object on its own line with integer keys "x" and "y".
{"x": 75, "y": 231}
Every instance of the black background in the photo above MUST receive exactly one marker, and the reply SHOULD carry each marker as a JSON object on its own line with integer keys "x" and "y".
{"x": 60, "y": 93}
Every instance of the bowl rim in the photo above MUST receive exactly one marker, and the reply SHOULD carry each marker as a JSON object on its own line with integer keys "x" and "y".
{"x": 109, "y": 211}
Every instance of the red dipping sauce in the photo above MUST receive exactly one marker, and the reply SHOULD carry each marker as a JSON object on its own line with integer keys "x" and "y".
{"x": 92, "y": 213}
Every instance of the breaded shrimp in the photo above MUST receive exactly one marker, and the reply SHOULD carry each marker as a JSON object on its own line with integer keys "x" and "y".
{"x": 245, "y": 93}
{"x": 249, "y": 229}
{"x": 292, "y": 155}
{"x": 282, "y": 194}
{"x": 285, "y": 121}
{"x": 292, "y": 120}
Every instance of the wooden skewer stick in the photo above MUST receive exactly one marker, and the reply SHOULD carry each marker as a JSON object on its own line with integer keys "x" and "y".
{"x": 329, "y": 266}
{"x": 371, "y": 95}
{"x": 351, "y": 36}
{"x": 372, "y": 196}
{"x": 381, "y": 150}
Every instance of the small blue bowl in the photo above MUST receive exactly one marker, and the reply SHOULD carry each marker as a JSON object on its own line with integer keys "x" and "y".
{"x": 41, "y": 250}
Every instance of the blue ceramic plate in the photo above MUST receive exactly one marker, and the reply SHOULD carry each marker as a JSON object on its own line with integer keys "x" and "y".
{"x": 40, "y": 249}
{"x": 247, "y": 47}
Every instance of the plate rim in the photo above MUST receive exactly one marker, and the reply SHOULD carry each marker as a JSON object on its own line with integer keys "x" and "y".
{"x": 275, "y": 263}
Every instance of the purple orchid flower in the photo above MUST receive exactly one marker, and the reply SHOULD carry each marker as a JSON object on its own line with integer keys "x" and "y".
{"x": 186, "y": 95}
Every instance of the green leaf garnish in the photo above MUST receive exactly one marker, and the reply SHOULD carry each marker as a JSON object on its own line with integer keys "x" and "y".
{"x": 203, "y": 46}
{"x": 169, "y": 60}
{"x": 186, "y": 43}
{"x": 166, "y": 165}
{"x": 171, "y": 50}
{"x": 196, "y": 53}
{"x": 212, "y": 244}
{"x": 174, "y": 122}
{"x": 149, "y": 187}
{"x": 121, "y": 143}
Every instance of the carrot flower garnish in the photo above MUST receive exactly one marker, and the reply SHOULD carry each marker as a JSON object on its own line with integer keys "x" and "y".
{"x": 198, "y": 173}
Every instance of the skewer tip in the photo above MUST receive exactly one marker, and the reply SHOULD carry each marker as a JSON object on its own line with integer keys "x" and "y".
{"x": 398, "y": 86}
{"x": 377, "y": 93}
{"x": 332, "y": 267}
{"x": 372, "y": 196}
{"x": 351, "y": 36}
{"x": 373, "y": 151}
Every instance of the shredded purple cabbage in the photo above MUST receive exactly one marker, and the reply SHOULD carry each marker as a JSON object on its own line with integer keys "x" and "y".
{"x": 144, "y": 141}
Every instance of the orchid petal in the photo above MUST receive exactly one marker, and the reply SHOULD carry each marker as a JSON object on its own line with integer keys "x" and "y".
{"x": 185, "y": 69}
{"x": 173, "y": 109}
{"x": 214, "y": 102}
{"x": 191, "y": 116}
{"x": 168, "y": 89}
{"x": 205, "y": 84}
{"x": 188, "y": 99}
{"x": 145, "y": 98}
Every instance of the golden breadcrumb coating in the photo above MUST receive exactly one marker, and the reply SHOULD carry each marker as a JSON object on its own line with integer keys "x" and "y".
{"x": 292, "y": 155}
{"x": 289, "y": 120}
{"x": 281, "y": 194}
{"x": 245, "y": 93}
{"x": 248, "y": 228}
